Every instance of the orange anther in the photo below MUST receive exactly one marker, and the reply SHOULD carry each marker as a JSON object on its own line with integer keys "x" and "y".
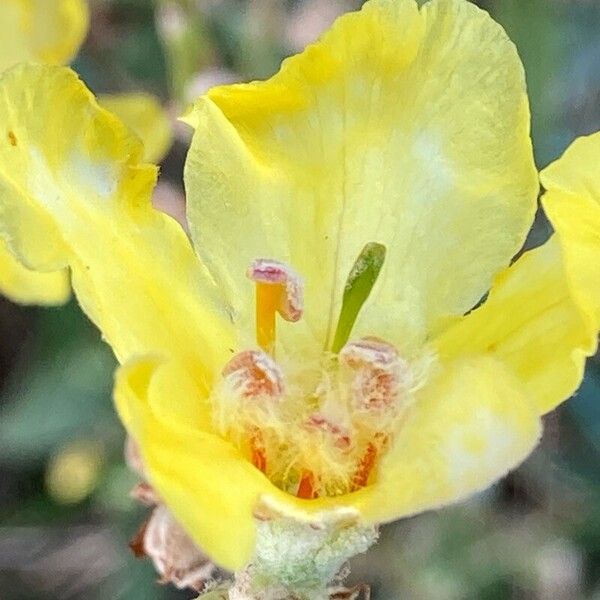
{"x": 306, "y": 487}
{"x": 253, "y": 373}
{"x": 258, "y": 451}
{"x": 278, "y": 290}
{"x": 368, "y": 461}
{"x": 340, "y": 436}
{"x": 379, "y": 371}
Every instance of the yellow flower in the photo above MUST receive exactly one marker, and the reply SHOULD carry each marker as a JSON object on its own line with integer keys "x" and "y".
{"x": 52, "y": 32}
{"x": 73, "y": 472}
{"x": 39, "y": 31}
{"x": 368, "y": 193}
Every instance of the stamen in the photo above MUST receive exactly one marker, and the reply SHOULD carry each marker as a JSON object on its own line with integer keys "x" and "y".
{"x": 306, "y": 487}
{"x": 278, "y": 290}
{"x": 359, "y": 284}
{"x": 380, "y": 376}
{"x": 379, "y": 372}
{"x": 341, "y": 438}
{"x": 253, "y": 373}
{"x": 368, "y": 461}
{"x": 258, "y": 450}
{"x": 328, "y": 442}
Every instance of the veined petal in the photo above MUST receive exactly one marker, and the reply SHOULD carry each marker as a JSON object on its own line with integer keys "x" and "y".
{"x": 210, "y": 489}
{"x": 73, "y": 192}
{"x": 31, "y": 287}
{"x": 532, "y": 322}
{"x": 144, "y": 115}
{"x": 419, "y": 141}
{"x": 468, "y": 427}
{"x": 542, "y": 315}
{"x": 42, "y": 31}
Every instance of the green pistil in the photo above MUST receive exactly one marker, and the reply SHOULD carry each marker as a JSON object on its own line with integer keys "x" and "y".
{"x": 359, "y": 284}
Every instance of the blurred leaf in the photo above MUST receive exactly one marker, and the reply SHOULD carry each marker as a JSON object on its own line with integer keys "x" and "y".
{"x": 585, "y": 405}
{"x": 64, "y": 396}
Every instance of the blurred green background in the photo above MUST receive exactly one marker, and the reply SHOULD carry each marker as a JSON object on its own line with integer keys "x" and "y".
{"x": 536, "y": 535}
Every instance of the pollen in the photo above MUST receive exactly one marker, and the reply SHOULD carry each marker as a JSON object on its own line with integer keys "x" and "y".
{"x": 315, "y": 427}
{"x": 379, "y": 374}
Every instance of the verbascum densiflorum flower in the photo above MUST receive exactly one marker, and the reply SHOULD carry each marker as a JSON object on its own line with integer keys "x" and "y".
{"x": 52, "y": 31}
{"x": 311, "y": 364}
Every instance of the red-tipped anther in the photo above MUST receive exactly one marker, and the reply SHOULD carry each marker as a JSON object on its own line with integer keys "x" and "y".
{"x": 253, "y": 373}
{"x": 378, "y": 372}
{"x": 306, "y": 487}
{"x": 339, "y": 435}
{"x": 368, "y": 461}
{"x": 273, "y": 272}
{"x": 258, "y": 450}
{"x": 278, "y": 290}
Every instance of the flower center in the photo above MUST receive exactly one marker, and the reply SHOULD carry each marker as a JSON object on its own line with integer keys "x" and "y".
{"x": 316, "y": 429}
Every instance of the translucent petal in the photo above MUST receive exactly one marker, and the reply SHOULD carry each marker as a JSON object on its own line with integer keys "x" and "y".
{"x": 74, "y": 192}
{"x": 419, "y": 141}
{"x": 543, "y": 313}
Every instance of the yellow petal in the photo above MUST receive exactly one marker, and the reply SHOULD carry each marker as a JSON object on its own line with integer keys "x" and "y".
{"x": 576, "y": 172}
{"x": 74, "y": 192}
{"x": 572, "y": 203}
{"x": 531, "y": 322}
{"x": 144, "y": 115}
{"x": 210, "y": 489}
{"x": 30, "y": 287}
{"x": 419, "y": 141}
{"x": 542, "y": 315}
{"x": 467, "y": 430}
{"x": 41, "y": 30}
